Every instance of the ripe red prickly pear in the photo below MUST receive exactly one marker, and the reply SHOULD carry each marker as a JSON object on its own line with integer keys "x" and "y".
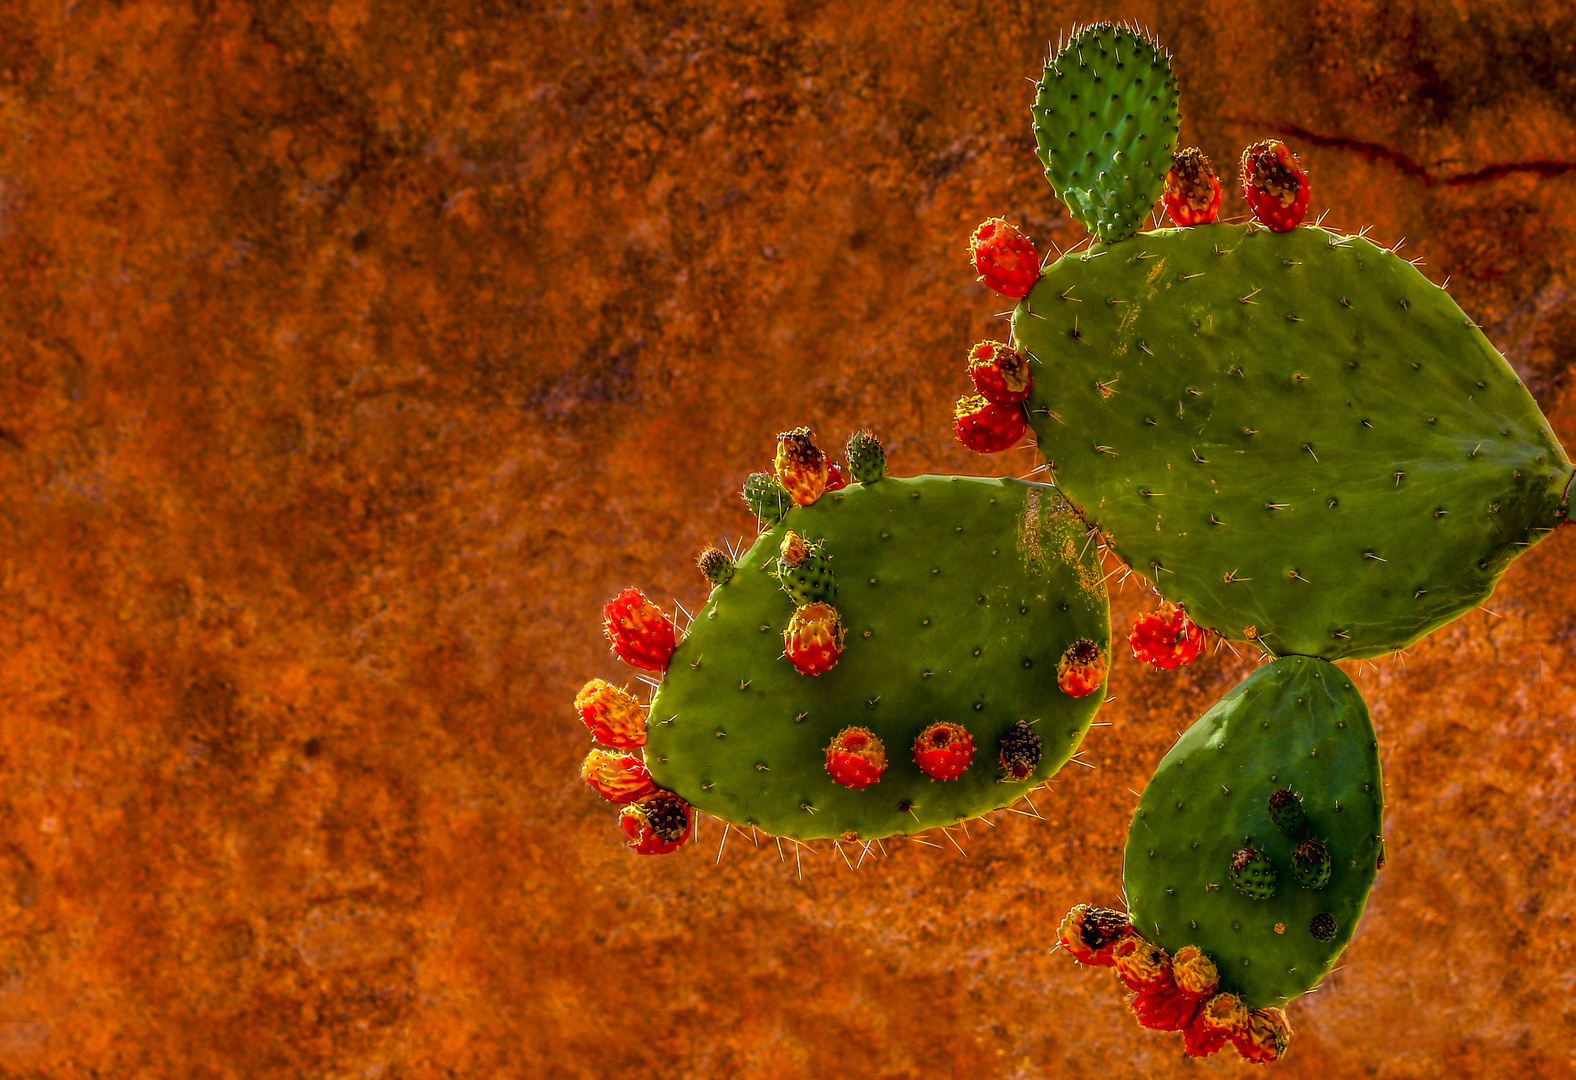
{"x": 801, "y": 465}
{"x": 1004, "y": 258}
{"x": 814, "y": 638}
{"x": 943, "y": 750}
{"x": 988, "y": 428}
{"x": 1275, "y": 185}
{"x": 1091, "y": 934}
{"x": 1166, "y": 638}
{"x": 1267, "y": 1036}
{"x": 1081, "y": 669}
{"x": 835, "y": 478}
{"x": 1163, "y": 1010}
{"x": 639, "y": 632}
{"x": 1224, "y": 1016}
{"x": 856, "y": 757}
{"x": 657, "y": 823}
{"x": 1199, "y": 1039}
{"x": 617, "y": 777}
{"x": 614, "y": 717}
{"x": 1020, "y": 751}
{"x": 999, "y": 372}
{"x": 1143, "y": 967}
{"x": 1192, "y": 192}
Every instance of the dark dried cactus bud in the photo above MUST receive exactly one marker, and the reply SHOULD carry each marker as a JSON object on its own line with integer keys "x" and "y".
{"x": 1020, "y": 751}
{"x": 1322, "y": 927}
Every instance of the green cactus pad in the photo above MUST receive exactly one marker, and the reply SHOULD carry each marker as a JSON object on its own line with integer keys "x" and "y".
{"x": 1296, "y": 435}
{"x": 1297, "y": 722}
{"x": 957, "y": 595}
{"x": 1106, "y": 114}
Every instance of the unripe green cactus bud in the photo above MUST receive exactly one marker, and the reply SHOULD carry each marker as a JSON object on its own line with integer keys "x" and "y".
{"x": 1286, "y": 812}
{"x": 866, "y": 457}
{"x": 1310, "y": 864}
{"x": 766, "y": 497}
{"x": 805, "y": 573}
{"x": 1253, "y": 874}
{"x": 715, "y": 564}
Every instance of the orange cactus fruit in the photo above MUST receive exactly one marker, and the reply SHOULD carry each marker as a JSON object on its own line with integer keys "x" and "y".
{"x": 1275, "y": 185}
{"x": 1192, "y": 191}
{"x": 1195, "y": 973}
{"x": 987, "y": 428}
{"x": 1142, "y": 967}
{"x": 617, "y": 776}
{"x": 814, "y": 638}
{"x": 656, "y": 824}
{"x": 1000, "y": 373}
{"x": 1267, "y": 1038}
{"x": 856, "y": 758}
{"x": 802, "y": 467}
{"x": 639, "y": 632}
{"x": 1091, "y": 934}
{"x": 1166, "y": 637}
{"x": 1081, "y": 669}
{"x": 615, "y": 718}
{"x": 1004, "y": 258}
{"x": 943, "y": 750}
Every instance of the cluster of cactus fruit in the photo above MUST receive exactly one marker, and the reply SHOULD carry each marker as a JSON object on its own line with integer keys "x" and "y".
{"x": 1299, "y": 440}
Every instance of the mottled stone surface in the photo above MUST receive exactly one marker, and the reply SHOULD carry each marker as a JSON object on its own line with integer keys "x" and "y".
{"x": 352, "y": 354}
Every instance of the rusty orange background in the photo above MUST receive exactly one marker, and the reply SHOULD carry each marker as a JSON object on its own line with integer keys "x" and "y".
{"x": 352, "y": 354}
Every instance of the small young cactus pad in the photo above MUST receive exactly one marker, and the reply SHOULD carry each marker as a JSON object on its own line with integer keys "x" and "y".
{"x": 1106, "y": 114}
{"x": 1206, "y": 864}
{"x": 1297, "y": 435}
{"x": 956, "y": 594}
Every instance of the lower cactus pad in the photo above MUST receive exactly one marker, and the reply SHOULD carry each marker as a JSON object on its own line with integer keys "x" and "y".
{"x": 957, "y": 596}
{"x": 1295, "y": 724}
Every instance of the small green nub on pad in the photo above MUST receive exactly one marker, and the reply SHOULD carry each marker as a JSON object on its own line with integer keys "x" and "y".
{"x": 1286, "y": 812}
{"x": 1310, "y": 864}
{"x": 766, "y": 497}
{"x": 1253, "y": 874}
{"x": 866, "y": 457}
{"x": 716, "y": 565}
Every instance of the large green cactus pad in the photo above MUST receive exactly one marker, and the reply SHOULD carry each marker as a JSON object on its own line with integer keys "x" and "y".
{"x": 1296, "y": 435}
{"x": 1296, "y": 723}
{"x": 1106, "y": 114}
{"x": 958, "y": 594}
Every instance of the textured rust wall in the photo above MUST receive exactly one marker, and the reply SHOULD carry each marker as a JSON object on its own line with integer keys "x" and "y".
{"x": 352, "y": 354}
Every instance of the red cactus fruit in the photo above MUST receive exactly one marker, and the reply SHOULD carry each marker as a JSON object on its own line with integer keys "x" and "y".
{"x": 988, "y": 428}
{"x": 1267, "y": 1036}
{"x": 943, "y": 750}
{"x": 1166, "y": 637}
{"x": 999, "y": 372}
{"x": 856, "y": 757}
{"x": 801, "y": 465}
{"x": 1004, "y": 258}
{"x": 1275, "y": 185}
{"x": 656, "y": 824}
{"x": 835, "y": 479}
{"x": 1195, "y": 973}
{"x": 1163, "y": 1010}
{"x": 1199, "y": 1039}
{"x": 1081, "y": 669}
{"x": 814, "y": 638}
{"x": 1192, "y": 192}
{"x": 1091, "y": 934}
{"x": 1020, "y": 751}
{"x": 617, "y": 777}
{"x": 1224, "y": 1015}
{"x": 639, "y": 632}
{"x": 1143, "y": 967}
{"x": 614, "y": 717}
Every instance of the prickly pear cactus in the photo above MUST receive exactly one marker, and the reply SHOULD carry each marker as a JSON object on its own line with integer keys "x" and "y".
{"x": 957, "y": 596}
{"x": 1106, "y": 115}
{"x": 1296, "y": 435}
{"x": 1216, "y": 860}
